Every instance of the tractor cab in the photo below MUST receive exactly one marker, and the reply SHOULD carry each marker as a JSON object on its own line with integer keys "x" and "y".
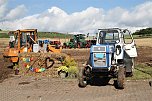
{"x": 108, "y": 37}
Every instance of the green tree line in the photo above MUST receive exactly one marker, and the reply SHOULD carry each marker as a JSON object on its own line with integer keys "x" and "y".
{"x": 4, "y": 34}
{"x": 53, "y": 35}
{"x": 144, "y": 32}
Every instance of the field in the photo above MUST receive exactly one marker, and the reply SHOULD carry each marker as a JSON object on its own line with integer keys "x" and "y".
{"x": 43, "y": 88}
{"x": 146, "y": 42}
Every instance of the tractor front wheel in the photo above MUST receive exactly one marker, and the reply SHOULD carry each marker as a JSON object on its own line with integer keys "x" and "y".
{"x": 121, "y": 78}
{"x": 82, "y": 78}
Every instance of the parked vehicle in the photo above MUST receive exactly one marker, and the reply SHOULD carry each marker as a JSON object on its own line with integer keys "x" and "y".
{"x": 78, "y": 41}
{"x": 24, "y": 42}
{"x": 112, "y": 56}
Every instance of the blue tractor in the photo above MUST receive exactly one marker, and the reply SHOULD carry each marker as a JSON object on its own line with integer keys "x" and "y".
{"x": 111, "y": 57}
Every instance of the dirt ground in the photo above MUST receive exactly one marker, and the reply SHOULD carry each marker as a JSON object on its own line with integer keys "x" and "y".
{"x": 20, "y": 88}
{"x": 4, "y": 69}
{"x": 144, "y": 54}
{"x": 82, "y": 55}
{"x": 55, "y": 89}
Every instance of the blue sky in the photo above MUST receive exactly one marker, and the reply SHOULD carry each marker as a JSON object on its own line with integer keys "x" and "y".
{"x": 84, "y": 16}
{"x": 70, "y": 6}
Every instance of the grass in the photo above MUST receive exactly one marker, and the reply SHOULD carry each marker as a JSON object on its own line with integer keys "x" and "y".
{"x": 145, "y": 69}
{"x": 141, "y": 36}
{"x": 138, "y": 75}
{"x": 142, "y": 71}
{"x": 53, "y": 35}
{"x": 144, "y": 42}
{"x": 4, "y": 34}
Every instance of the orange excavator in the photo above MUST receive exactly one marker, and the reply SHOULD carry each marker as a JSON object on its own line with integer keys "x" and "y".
{"x": 24, "y": 42}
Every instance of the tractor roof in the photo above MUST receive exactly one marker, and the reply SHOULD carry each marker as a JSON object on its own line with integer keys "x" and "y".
{"x": 112, "y": 29}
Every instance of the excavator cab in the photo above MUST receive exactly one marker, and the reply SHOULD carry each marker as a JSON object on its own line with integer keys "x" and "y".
{"x": 24, "y": 40}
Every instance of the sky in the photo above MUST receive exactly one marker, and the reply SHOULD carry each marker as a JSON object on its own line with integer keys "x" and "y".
{"x": 75, "y": 16}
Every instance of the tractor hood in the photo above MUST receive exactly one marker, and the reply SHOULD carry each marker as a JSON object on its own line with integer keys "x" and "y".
{"x": 101, "y": 56}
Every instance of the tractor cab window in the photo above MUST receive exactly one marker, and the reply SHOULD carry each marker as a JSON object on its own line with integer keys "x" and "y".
{"x": 127, "y": 37}
{"x": 109, "y": 37}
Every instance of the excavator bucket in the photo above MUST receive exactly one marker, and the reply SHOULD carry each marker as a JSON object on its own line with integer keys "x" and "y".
{"x": 52, "y": 49}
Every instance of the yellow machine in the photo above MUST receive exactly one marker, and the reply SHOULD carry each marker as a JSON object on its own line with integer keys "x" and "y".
{"x": 24, "y": 41}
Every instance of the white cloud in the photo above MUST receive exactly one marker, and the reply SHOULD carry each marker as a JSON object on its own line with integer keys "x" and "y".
{"x": 3, "y": 4}
{"x": 16, "y": 13}
{"x": 11, "y": 14}
{"x": 140, "y": 16}
{"x": 89, "y": 20}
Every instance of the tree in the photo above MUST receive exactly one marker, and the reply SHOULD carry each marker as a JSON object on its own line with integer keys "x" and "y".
{"x": 144, "y": 32}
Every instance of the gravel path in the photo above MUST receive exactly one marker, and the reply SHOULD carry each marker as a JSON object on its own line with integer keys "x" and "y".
{"x": 54, "y": 89}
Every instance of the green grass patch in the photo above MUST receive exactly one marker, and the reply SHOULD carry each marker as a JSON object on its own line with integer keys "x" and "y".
{"x": 53, "y": 35}
{"x": 142, "y": 71}
{"x": 138, "y": 75}
{"x": 4, "y": 34}
{"x": 141, "y": 37}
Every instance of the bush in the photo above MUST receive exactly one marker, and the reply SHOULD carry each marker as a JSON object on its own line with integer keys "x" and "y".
{"x": 68, "y": 61}
{"x": 70, "y": 67}
{"x": 73, "y": 71}
{"x": 63, "y": 68}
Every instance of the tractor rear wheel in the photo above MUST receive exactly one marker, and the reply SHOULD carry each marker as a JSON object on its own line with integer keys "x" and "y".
{"x": 121, "y": 78}
{"x": 82, "y": 78}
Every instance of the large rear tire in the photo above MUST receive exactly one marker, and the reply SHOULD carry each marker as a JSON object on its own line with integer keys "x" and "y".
{"x": 121, "y": 78}
{"x": 82, "y": 78}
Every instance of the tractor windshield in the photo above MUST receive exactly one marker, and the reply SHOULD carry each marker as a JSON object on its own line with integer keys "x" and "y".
{"x": 109, "y": 37}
